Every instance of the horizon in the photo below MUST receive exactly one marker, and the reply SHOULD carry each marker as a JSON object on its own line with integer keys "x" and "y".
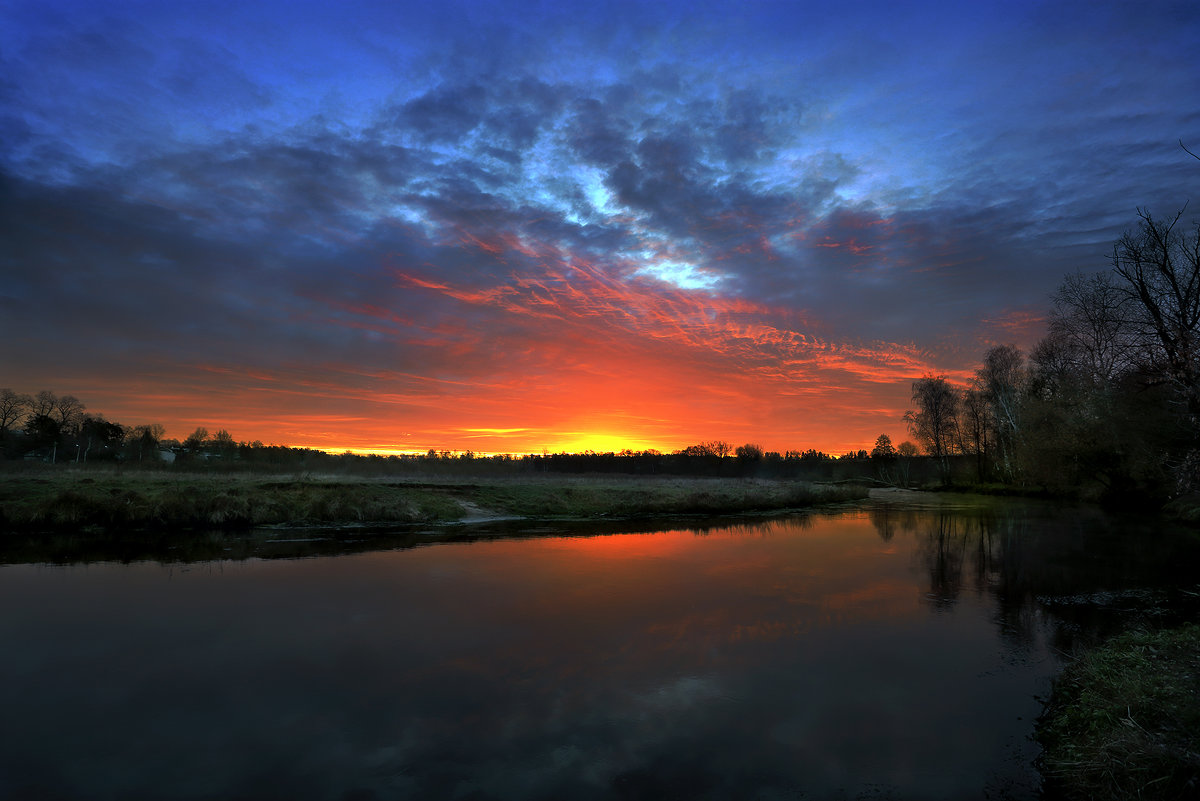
{"x": 213, "y": 429}
{"x": 396, "y": 228}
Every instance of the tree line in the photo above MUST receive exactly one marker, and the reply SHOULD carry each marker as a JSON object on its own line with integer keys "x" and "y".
{"x": 46, "y": 427}
{"x": 58, "y": 428}
{"x": 1107, "y": 404}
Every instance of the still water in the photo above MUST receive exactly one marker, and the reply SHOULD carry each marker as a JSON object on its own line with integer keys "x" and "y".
{"x": 879, "y": 652}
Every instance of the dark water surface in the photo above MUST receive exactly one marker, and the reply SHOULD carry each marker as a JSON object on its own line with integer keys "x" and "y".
{"x": 881, "y": 652}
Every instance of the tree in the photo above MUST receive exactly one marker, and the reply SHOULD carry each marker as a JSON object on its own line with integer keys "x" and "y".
{"x": 934, "y": 421}
{"x": 883, "y": 448}
{"x": 196, "y": 440}
{"x": 749, "y": 453}
{"x": 42, "y": 431}
{"x": 716, "y": 448}
{"x": 1090, "y": 337}
{"x": 13, "y": 407}
{"x": 144, "y": 440}
{"x": 43, "y": 404}
{"x": 69, "y": 413}
{"x": 975, "y": 428}
{"x": 905, "y": 452}
{"x": 224, "y": 443}
{"x": 1003, "y": 379}
{"x": 1159, "y": 268}
{"x": 99, "y": 435}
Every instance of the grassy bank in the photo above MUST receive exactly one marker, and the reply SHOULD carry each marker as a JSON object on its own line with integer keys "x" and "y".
{"x": 1124, "y": 721}
{"x": 74, "y": 500}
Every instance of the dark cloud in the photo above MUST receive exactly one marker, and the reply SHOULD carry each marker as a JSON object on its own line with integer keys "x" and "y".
{"x": 445, "y": 114}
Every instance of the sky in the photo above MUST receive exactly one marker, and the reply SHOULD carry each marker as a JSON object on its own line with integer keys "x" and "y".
{"x": 510, "y": 227}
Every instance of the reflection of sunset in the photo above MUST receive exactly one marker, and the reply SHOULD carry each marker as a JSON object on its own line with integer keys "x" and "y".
{"x": 831, "y": 570}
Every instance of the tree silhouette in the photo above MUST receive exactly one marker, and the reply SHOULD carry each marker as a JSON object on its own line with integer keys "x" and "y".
{"x": 883, "y": 448}
{"x": 1159, "y": 266}
{"x": 749, "y": 452}
{"x": 197, "y": 439}
{"x": 13, "y": 406}
{"x": 935, "y": 420}
{"x": 42, "y": 431}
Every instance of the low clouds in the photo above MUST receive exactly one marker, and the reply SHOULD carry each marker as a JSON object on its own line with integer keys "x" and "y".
{"x": 465, "y": 209}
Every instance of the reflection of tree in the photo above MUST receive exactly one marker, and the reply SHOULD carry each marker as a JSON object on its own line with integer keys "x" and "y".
{"x": 1064, "y": 573}
{"x": 892, "y": 519}
{"x": 943, "y": 550}
{"x": 882, "y": 517}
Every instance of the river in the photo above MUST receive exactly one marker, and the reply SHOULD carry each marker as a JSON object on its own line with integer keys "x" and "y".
{"x": 882, "y": 651}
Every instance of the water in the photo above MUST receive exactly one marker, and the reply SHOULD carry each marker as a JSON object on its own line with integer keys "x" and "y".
{"x": 881, "y": 652}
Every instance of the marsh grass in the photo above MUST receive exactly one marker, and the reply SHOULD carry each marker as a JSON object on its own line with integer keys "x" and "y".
{"x": 604, "y": 497}
{"x": 226, "y": 502}
{"x": 80, "y": 500}
{"x": 1124, "y": 721}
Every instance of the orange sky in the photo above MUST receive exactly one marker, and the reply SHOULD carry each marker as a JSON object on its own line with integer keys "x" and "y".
{"x": 564, "y": 359}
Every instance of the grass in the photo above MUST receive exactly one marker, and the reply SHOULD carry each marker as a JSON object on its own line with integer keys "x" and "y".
{"x": 574, "y": 498}
{"x": 109, "y": 501}
{"x": 73, "y": 500}
{"x": 1123, "y": 722}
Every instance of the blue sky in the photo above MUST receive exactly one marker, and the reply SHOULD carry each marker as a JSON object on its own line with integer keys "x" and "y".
{"x": 509, "y": 226}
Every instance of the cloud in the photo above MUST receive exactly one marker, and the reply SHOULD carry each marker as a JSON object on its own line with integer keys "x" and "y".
{"x": 402, "y": 211}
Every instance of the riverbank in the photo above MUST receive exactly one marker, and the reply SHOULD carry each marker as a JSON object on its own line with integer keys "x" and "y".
{"x": 1123, "y": 721}
{"x": 108, "y": 501}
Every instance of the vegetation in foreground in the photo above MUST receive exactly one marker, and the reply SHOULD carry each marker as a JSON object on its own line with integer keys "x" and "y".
{"x": 1124, "y": 721}
{"x": 56, "y": 501}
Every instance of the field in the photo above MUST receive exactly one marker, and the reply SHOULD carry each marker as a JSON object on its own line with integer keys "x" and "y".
{"x": 112, "y": 500}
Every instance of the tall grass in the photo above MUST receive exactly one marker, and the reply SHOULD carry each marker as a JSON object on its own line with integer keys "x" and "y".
{"x": 1124, "y": 721}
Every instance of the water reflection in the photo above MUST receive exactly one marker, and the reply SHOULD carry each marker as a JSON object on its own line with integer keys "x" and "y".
{"x": 1071, "y": 570}
{"x": 829, "y": 656}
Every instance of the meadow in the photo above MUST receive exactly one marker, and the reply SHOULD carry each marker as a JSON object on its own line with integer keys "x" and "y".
{"x": 111, "y": 499}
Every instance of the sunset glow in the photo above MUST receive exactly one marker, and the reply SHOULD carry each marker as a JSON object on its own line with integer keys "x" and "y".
{"x": 395, "y": 229}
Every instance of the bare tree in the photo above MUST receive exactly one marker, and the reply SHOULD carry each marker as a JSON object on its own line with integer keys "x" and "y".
{"x": 1159, "y": 267}
{"x": 43, "y": 404}
{"x": 13, "y": 407}
{"x": 69, "y": 413}
{"x": 975, "y": 428}
{"x": 1003, "y": 380}
{"x": 935, "y": 420}
{"x": 1089, "y": 327}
